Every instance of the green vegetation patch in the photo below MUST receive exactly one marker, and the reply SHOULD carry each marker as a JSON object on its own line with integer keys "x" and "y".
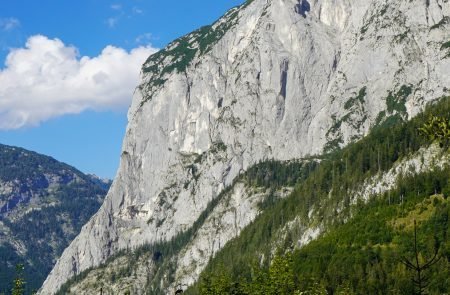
{"x": 422, "y": 212}
{"x": 437, "y": 129}
{"x": 396, "y": 102}
{"x": 359, "y": 98}
{"x": 445, "y": 20}
{"x": 445, "y": 45}
{"x": 333, "y": 145}
{"x": 373, "y": 20}
{"x": 218, "y": 146}
{"x": 401, "y": 37}
{"x": 352, "y": 105}
{"x": 179, "y": 54}
{"x": 381, "y": 116}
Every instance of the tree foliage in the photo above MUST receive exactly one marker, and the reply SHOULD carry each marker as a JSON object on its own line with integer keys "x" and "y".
{"x": 437, "y": 129}
{"x": 277, "y": 279}
{"x": 19, "y": 281}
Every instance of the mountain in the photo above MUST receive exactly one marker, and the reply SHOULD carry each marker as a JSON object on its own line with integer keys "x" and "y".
{"x": 271, "y": 80}
{"x": 43, "y": 205}
{"x": 347, "y": 215}
{"x": 371, "y": 206}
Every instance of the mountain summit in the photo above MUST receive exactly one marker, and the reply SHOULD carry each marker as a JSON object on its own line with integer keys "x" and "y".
{"x": 271, "y": 79}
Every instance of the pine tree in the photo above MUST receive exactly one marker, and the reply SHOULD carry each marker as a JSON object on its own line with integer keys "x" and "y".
{"x": 19, "y": 281}
{"x": 420, "y": 280}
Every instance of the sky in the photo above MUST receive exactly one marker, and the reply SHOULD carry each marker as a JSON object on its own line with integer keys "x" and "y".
{"x": 68, "y": 70}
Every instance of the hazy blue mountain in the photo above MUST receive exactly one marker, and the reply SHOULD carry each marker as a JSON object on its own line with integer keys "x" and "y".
{"x": 43, "y": 205}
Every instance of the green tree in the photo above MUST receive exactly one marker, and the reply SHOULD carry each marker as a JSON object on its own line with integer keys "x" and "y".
{"x": 315, "y": 289}
{"x": 437, "y": 129}
{"x": 217, "y": 283}
{"x": 281, "y": 275}
{"x": 258, "y": 284}
{"x": 419, "y": 266}
{"x": 19, "y": 281}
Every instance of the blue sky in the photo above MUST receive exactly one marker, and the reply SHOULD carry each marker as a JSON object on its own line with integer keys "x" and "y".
{"x": 68, "y": 70}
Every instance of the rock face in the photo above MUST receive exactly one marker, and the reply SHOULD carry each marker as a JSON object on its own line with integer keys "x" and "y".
{"x": 278, "y": 79}
{"x": 235, "y": 210}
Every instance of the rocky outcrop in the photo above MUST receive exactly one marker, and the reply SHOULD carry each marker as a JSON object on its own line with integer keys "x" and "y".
{"x": 275, "y": 79}
{"x": 237, "y": 208}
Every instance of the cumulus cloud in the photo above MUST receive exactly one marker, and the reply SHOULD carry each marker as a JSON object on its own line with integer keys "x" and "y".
{"x": 112, "y": 21}
{"x": 145, "y": 38}
{"x": 47, "y": 79}
{"x": 116, "y": 6}
{"x": 8, "y": 24}
{"x": 137, "y": 10}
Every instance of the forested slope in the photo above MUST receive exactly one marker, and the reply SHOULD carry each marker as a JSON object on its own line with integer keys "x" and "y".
{"x": 43, "y": 205}
{"x": 364, "y": 243}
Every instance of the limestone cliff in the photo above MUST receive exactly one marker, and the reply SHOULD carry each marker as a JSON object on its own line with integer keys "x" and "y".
{"x": 278, "y": 79}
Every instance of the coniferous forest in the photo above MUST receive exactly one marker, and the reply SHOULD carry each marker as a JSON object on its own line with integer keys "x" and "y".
{"x": 367, "y": 245}
{"x": 49, "y": 203}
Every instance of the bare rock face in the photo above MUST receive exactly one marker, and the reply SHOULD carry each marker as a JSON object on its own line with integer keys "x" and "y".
{"x": 277, "y": 79}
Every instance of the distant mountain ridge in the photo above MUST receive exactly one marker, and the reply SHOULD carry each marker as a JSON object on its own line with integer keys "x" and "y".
{"x": 43, "y": 205}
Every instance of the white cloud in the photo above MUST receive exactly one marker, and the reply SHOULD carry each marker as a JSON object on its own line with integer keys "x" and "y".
{"x": 47, "y": 79}
{"x": 137, "y": 10}
{"x": 122, "y": 13}
{"x": 8, "y": 24}
{"x": 112, "y": 21}
{"x": 144, "y": 38}
{"x": 116, "y": 7}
